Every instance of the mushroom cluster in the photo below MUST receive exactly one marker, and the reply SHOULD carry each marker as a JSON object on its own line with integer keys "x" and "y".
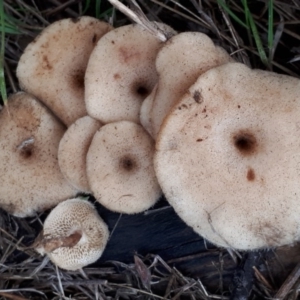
{"x": 146, "y": 117}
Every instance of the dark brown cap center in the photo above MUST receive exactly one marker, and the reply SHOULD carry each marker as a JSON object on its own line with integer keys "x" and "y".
{"x": 245, "y": 142}
{"x": 127, "y": 163}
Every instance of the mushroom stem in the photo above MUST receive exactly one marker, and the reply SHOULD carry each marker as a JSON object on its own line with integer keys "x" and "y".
{"x": 140, "y": 18}
{"x": 46, "y": 244}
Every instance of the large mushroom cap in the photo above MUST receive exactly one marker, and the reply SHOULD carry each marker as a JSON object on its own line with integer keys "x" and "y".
{"x": 228, "y": 157}
{"x": 73, "y": 149}
{"x": 74, "y": 235}
{"x": 121, "y": 73}
{"x": 120, "y": 168}
{"x": 179, "y": 63}
{"x": 52, "y": 67}
{"x": 29, "y": 173}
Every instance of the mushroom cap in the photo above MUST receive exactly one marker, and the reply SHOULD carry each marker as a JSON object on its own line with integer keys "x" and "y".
{"x": 228, "y": 157}
{"x": 73, "y": 149}
{"x": 74, "y": 235}
{"x": 120, "y": 168}
{"x": 121, "y": 73}
{"x": 179, "y": 63}
{"x": 145, "y": 112}
{"x": 29, "y": 173}
{"x": 52, "y": 67}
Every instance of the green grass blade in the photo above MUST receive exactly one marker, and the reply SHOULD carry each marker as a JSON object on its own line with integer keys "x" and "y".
{"x": 86, "y": 7}
{"x": 270, "y": 26}
{"x": 10, "y": 30}
{"x": 231, "y": 13}
{"x": 98, "y": 13}
{"x": 107, "y": 13}
{"x": 10, "y": 27}
{"x": 97, "y": 8}
{"x": 2, "y": 52}
{"x": 257, "y": 39}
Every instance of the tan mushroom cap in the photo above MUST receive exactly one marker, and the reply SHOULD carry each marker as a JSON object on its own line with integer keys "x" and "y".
{"x": 74, "y": 235}
{"x": 121, "y": 73}
{"x": 73, "y": 149}
{"x": 228, "y": 157}
{"x": 179, "y": 63}
{"x": 29, "y": 173}
{"x": 120, "y": 168}
{"x": 52, "y": 67}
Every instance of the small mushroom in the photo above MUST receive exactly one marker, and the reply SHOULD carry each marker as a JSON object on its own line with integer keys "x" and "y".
{"x": 121, "y": 73}
{"x": 29, "y": 173}
{"x": 73, "y": 149}
{"x": 52, "y": 67}
{"x": 120, "y": 168}
{"x": 228, "y": 157}
{"x": 179, "y": 63}
{"x": 73, "y": 236}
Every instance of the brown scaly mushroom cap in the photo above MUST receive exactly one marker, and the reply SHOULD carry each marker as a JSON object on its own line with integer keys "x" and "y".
{"x": 73, "y": 149}
{"x": 228, "y": 157}
{"x": 52, "y": 67}
{"x": 179, "y": 63}
{"x": 29, "y": 173}
{"x": 121, "y": 73}
{"x": 74, "y": 235}
{"x": 120, "y": 168}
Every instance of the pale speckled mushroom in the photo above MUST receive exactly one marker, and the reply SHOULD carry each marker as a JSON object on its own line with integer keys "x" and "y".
{"x": 29, "y": 173}
{"x": 228, "y": 157}
{"x": 121, "y": 73}
{"x": 179, "y": 63}
{"x": 73, "y": 236}
{"x": 120, "y": 168}
{"x": 73, "y": 149}
{"x": 52, "y": 67}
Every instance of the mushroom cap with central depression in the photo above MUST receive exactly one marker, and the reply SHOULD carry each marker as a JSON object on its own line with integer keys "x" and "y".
{"x": 121, "y": 73}
{"x": 120, "y": 168}
{"x": 228, "y": 157}
{"x": 52, "y": 67}
{"x": 30, "y": 177}
{"x": 179, "y": 63}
